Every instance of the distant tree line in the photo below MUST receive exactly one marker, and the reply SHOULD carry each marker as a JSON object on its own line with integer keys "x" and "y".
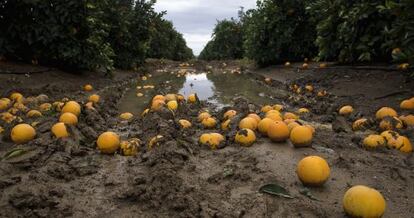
{"x": 329, "y": 30}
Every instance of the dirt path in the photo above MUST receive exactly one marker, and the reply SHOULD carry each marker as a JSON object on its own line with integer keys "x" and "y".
{"x": 179, "y": 177}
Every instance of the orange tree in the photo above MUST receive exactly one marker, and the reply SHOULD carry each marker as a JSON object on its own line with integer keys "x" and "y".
{"x": 278, "y": 31}
{"x": 165, "y": 42}
{"x": 88, "y": 34}
{"x": 226, "y": 43}
{"x": 65, "y": 33}
{"x": 364, "y": 31}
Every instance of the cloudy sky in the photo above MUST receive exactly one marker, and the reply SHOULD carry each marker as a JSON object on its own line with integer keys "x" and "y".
{"x": 196, "y": 18}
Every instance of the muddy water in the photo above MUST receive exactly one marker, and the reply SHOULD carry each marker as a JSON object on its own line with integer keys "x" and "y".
{"x": 220, "y": 89}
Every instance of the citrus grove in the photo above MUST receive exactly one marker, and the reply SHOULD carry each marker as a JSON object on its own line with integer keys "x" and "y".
{"x": 278, "y": 124}
{"x": 299, "y": 108}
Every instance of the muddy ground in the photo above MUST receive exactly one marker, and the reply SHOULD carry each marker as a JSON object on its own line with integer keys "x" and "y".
{"x": 179, "y": 177}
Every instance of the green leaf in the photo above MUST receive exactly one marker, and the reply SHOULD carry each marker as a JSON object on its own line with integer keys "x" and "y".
{"x": 14, "y": 153}
{"x": 275, "y": 189}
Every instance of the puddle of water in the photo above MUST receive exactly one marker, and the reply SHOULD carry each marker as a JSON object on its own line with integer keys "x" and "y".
{"x": 217, "y": 88}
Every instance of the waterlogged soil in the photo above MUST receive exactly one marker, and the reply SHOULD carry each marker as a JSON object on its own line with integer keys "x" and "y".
{"x": 180, "y": 178}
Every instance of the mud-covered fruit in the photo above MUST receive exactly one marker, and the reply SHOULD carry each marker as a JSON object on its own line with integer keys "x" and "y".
{"x": 155, "y": 141}
{"x": 248, "y": 123}
{"x": 45, "y": 107}
{"x": 229, "y": 114}
{"x": 72, "y": 107}
{"x": 4, "y": 104}
{"x": 34, "y": 113}
{"x": 60, "y": 130}
{"x": 363, "y": 201}
{"x": 17, "y": 97}
{"x": 278, "y": 131}
{"x": 68, "y": 118}
{"x": 301, "y": 136}
{"x": 126, "y": 116}
{"x": 390, "y": 123}
{"x": 346, "y": 110}
{"x": 184, "y": 124}
{"x": 360, "y": 124}
{"x": 385, "y": 112}
{"x": 108, "y": 142}
{"x": 225, "y": 125}
{"x": 373, "y": 141}
{"x": 313, "y": 171}
{"x": 309, "y": 88}
{"x": 245, "y": 137}
{"x": 406, "y": 147}
{"x": 22, "y": 133}
{"x": 130, "y": 147}
{"x": 203, "y": 115}
{"x": 213, "y": 140}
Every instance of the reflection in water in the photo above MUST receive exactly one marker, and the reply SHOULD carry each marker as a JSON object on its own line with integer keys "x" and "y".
{"x": 198, "y": 83}
{"x": 218, "y": 89}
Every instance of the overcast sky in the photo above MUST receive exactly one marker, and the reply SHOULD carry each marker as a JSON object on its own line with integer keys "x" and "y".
{"x": 196, "y": 18}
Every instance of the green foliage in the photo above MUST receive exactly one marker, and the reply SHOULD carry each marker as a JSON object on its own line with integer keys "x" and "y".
{"x": 166, "y": 42}
{"x": 366, "y": 30}
{"x": 88, "y": 34}
{"x": 129, "y": 31}
{"x": 57, "y": 32}
{"x": 227, "y": 42}
{"x": 279, "y": 30}
{"x": 351, "y": 31}
{"x": 401, "y": 33}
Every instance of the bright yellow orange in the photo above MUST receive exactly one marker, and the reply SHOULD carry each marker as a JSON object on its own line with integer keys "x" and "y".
{"x": 278, "y": 131}
{"x": 72, "y": 107}
{"x": 108, "y": 142}
{"x": 94, "y": 98}
{"x": 60, "y": 130}
{"x": 248, "y": 123}
{"x": 346, "y": 110}
{"x": 22, "y": 133}
{"x": 313, "y": 171}
{"x": 365, "y": 202}
{"x": 68, "y": 118}
{"x": 301, "y": 136}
